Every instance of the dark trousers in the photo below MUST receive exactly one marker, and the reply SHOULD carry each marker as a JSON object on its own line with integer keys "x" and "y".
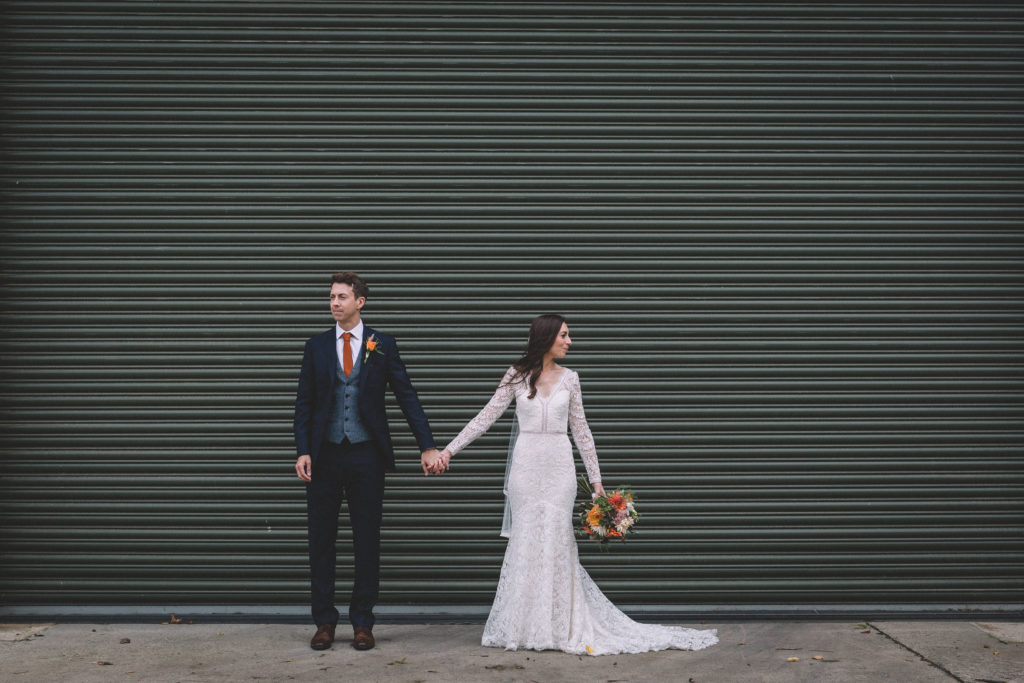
{"x": 355, "y": 473}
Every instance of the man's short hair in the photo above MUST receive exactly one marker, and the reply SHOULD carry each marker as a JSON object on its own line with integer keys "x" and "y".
{"x": 359, "y": 288}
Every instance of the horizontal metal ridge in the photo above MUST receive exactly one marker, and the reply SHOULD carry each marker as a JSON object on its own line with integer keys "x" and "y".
{"x": 567, "y": 10}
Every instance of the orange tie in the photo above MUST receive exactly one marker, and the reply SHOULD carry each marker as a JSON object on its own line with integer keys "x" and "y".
{"x": 346, "y": 354}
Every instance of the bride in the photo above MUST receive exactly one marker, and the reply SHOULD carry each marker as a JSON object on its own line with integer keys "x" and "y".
{"x": 545, "y": 599}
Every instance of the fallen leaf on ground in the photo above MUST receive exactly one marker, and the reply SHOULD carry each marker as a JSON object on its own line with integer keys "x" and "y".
{"x": 793, "y": 659}
{"x": 818, "y": 657}
{"x": 125, "y": 641}
{"x": 502, "y": 667}
{"x": 102, "y": 663}
{"x": 868, "y": 631}
{"x": 398, "y": 661}
{"x": 175, "y": 620}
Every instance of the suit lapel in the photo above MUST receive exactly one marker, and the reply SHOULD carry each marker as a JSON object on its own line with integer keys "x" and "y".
{"x": 363, "y": 358}
{"x": 330, "y": 351}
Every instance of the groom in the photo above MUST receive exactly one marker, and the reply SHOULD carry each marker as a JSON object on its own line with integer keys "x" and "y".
{"x": 344, "y": 448}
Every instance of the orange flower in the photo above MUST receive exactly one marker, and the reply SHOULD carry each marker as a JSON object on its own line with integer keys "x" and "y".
{"x": 615, "y": 533}
{"x": 371, "y": 345}
{"x": 617, "y": 501}
{"x": 594, "y": 516}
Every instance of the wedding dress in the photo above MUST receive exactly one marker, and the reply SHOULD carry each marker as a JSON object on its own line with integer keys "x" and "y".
{"x": 545, "y": 599}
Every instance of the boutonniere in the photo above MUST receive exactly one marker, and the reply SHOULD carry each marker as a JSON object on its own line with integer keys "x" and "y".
{"x": 371, "y": 347}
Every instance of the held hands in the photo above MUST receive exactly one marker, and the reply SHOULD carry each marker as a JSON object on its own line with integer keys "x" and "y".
{"x": 434, "y": 462}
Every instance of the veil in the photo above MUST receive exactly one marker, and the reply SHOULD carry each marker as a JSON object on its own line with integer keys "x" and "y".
{"x": 506, "y": 520}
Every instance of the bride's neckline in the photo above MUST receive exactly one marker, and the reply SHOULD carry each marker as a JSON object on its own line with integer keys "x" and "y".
{"x": 554, "y": 387}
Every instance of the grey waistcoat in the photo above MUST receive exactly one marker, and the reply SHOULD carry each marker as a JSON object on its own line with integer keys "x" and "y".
{"x": 344, "y": 419}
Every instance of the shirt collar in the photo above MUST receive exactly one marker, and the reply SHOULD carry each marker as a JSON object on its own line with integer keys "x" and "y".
{"x": 356, "y": 331}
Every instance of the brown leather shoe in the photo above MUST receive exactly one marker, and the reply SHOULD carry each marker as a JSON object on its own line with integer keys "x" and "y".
{"x": 323, "y": 638}
{"x": 363, "y": 639}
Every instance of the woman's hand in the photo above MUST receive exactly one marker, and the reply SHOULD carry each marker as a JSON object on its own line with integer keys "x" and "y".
{"x": 598, "y": 490}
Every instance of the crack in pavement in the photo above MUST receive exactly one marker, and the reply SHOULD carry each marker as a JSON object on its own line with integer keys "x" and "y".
{"x": 906, "y": 647}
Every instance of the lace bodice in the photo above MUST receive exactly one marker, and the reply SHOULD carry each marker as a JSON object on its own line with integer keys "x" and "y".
{"x": 551, "y": 414}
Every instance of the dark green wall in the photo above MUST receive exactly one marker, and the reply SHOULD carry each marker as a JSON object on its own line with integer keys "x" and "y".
{"x": 787, "y": 237}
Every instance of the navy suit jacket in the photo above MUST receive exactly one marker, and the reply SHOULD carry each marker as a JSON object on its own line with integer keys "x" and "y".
{"x": 382, "y": 367}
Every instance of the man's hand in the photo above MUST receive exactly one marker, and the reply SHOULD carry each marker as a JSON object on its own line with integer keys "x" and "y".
{"x": 432, "y": 462}
{"x": 304, "y": 468}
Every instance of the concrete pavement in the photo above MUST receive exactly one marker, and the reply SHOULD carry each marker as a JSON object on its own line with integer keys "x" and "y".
{"x": 897, "y": 651}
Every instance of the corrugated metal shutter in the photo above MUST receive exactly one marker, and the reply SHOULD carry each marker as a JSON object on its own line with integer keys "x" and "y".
{"x": 787, "y": 237}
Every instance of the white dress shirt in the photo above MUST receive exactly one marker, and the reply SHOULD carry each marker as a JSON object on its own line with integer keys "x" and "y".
{"x": 355, "y": 342}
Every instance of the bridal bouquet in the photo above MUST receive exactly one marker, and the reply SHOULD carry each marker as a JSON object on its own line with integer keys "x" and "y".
{"x": 603, "y": 518}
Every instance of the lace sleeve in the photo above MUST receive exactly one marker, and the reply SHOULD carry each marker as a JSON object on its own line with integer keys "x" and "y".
{"x": 581, "y": 430}
{"x": 486, "y": 417}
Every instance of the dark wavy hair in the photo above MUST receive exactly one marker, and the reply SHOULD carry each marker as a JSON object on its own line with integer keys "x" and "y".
{"x": 543, "y": 331}
{"x": 359, "y": 288}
